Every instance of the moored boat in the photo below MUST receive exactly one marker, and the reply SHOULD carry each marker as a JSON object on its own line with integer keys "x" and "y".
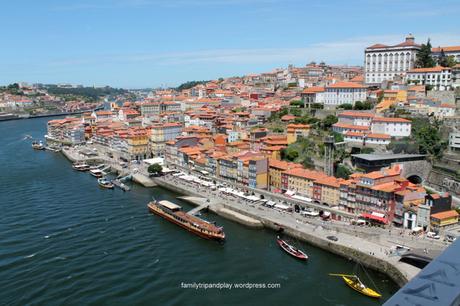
{"x": 173, "y": 213}
{"x": 291, "y": 250}
{"x": 38, "y": 145}
{"x": 96, "y": 173}
{"x": 80, "y": 166}
{"x": 355, "y": 283}
{"x": 104, "y": 183}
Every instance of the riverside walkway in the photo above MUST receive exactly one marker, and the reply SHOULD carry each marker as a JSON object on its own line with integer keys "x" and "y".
{"x": 311, "y": 230}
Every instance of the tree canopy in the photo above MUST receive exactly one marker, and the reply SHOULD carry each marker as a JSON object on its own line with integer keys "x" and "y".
{"x": 424, "y": 57}
{"x": 155, "y": 168}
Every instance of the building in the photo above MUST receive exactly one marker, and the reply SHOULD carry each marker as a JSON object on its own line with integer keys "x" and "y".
{"x": 384, "y": 62}
{"x": 454, "y": 142}
{"x": 445, "y": 218}
{"x": 258, "y": 172}
{"x": 395, "y": 127}
{"x": 300, "y": 181}
{"x": 375, "y": 162}
{"x": 453, "y": 51}
{"x": 327, "y": 191}
{"x": 297, "y": 130}
{"x": 162, "y": 133}
{"x": 440, "y": 78}
{"x": 343, "y": 93}
{"x": 275, "y": 170}
{"x": 374, "y": 194}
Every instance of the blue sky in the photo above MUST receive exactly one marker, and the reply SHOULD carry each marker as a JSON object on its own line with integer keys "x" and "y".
{"x": 148, "y": 43}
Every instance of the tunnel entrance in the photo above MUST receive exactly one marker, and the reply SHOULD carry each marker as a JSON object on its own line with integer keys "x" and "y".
{"x": 415, "y": 179}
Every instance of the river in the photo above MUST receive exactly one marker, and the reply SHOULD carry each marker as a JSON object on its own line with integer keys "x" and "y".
{"x": 65, "y": 241}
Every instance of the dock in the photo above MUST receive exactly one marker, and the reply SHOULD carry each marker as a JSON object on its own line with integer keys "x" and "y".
{"x": 197, "y": 209}
{"x": 120, "y": 185}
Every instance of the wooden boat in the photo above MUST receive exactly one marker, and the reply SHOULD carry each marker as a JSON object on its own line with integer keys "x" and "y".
{"x": 38, "y": 145}
{"x": 355, "y": 283}
{"x": 291, "y": 250}
{"x": 80, "y": 167}
{"x": 104, "y": 183}
{"x": 173, "y": 213}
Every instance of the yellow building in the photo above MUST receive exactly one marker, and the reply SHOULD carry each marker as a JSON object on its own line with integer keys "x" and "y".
{"x": 296, "y": 130}
{"x": 327, "y": 190}
{"x": 138, "y": 140}
{"x": 275, "y": 169}
{"x": 444, "y": 218}
{"x": 300, "y": 180}
{"x": 391, "y": 97}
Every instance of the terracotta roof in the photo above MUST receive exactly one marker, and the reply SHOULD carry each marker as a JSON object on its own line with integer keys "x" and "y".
{"x": 446, "y": 49}
{"x": 378, "y": 136}
{"x": 356, "y": 114}
{"x": 313, "y": 89}
{"x": 346, "y": 85}
{"x": 426, "y": 70}
{"x": 351, "y": 126}
{"x": 387, "y": 119}
{"x": 283, "y": 165}
{"x": 307, "y": 174}
{"x": 445, "y": 215}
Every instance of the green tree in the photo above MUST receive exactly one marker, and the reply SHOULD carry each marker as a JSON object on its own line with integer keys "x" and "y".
{"x": 367, "y": 150}
{"x": 296, "y": 112}
{"x": 442, "y": 60}
{"x": 155, "y": 168}
{"x": 337, "y": 137}
{"x": 296, "y": 103}
{"x": 346, "y": 106}
{"x": 342, "y": 171}
{"x": 424, "y": 57}
{"x": 329, "y": 121}
{"x": 308, "y": 162}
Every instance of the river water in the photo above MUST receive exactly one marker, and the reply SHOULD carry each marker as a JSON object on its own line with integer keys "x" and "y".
{"x": 65, "y": 241}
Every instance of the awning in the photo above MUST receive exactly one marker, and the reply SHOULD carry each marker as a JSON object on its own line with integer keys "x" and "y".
{"x": 374, "y": 217}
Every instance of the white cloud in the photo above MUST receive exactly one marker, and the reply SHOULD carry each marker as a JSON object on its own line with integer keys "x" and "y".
{"x": 347, "y": 51}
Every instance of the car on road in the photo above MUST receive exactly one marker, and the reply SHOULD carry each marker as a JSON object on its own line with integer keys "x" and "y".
{"x": 333, "y": 238}
{"x": 432, "y": 235}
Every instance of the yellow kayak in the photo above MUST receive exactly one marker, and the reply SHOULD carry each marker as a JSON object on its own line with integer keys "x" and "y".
{"x": 355, "y": 283}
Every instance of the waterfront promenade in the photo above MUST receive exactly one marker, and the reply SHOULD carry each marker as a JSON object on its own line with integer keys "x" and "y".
{"x": 376, "y": 254}
{"x": 370, "y": 245}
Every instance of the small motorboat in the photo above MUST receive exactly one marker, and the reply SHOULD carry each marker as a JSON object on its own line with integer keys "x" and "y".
{"x": 96, "y": 173}
{"x": 100, "y": 166}
{"x": 80, "y": 166}
{"x": 355, "y": 283}
{"x": 38, "y": 145}
{"x": 291, "y": 250}
{"x": 104, "y": 183}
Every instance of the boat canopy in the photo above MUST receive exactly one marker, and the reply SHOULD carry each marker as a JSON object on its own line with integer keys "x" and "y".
{"x": 169, "y": 205}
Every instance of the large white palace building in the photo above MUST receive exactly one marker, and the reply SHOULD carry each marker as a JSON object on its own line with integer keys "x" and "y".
{"x": 382, "y": 62}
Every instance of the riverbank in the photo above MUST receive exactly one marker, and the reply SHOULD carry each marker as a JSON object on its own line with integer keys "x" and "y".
{"x": 21, "y": 117}
{"x": 362, "y": 245}
{"x": 355, "y": 248}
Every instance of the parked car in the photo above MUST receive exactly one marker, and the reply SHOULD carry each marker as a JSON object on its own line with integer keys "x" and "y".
{"x": 432, "y": 235}
{"x": 333, "y": 238}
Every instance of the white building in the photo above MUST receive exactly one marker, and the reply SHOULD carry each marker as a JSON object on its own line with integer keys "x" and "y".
{"x": 395, "y": 127}
{"x": 343, "y": 93}
{"x": 448, "y": 51}
{"x": 382, "y": 62}
{"x": 456, "y": 76}
{"x": 454, "y": 142}
{"x": 439, "y": 77}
